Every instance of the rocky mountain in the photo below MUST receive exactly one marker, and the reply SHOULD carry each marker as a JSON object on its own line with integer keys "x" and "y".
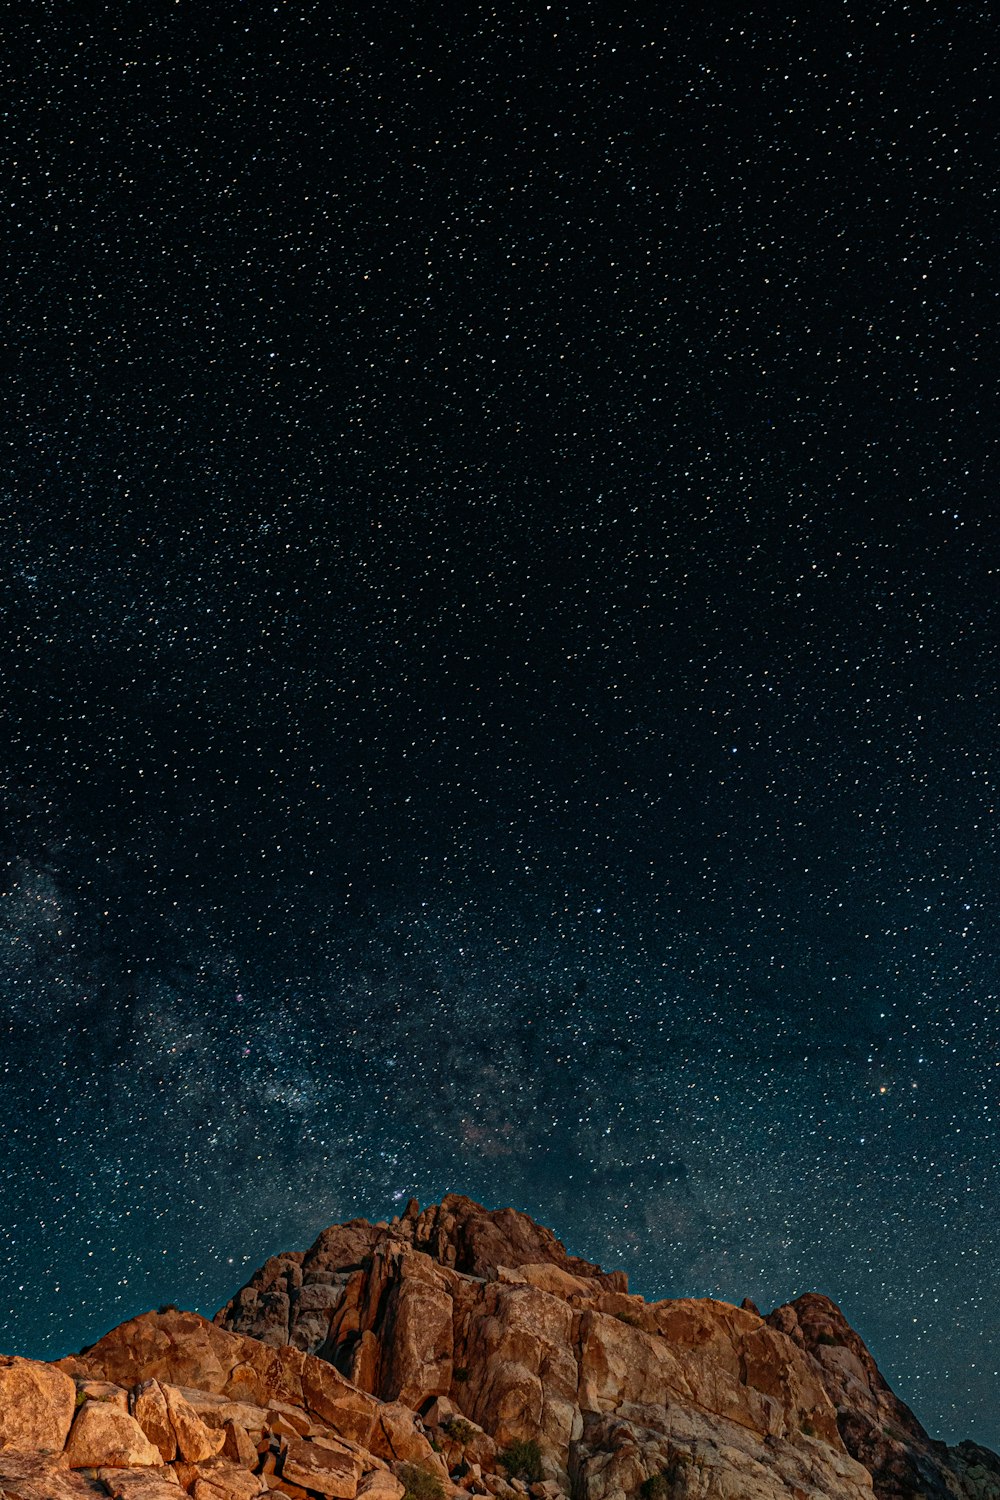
{"x": 458, "y": 1352}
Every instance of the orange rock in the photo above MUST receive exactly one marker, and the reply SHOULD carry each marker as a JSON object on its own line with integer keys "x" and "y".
{"x": 102, "y": 1390}
{"x": 183, "y": 1349}
{"x": 396, "y": 1437}
{"x": 320, "y": 1466}
{"x": 195, "y": 1440}
{"x": 37, "y": 1476}
{"x": 141, "y": 1484}
{"x": 380, "y": 1484}
{"x": 104, "y": 1436}
{"x": 294, "y": 1420}
{"x": 37, "y": 1403}
{"x": 238, "y": 1446}
{"x": 418, "y": 1342}
{"x": 149, "y": 1407}
{"x": 217, "y": 1479}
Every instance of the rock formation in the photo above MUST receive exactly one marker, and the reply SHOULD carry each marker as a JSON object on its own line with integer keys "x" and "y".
{"x": 459, "y": 1352}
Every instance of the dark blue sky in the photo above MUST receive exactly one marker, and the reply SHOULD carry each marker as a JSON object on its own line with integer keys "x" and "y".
{"x": 500, "y": 653}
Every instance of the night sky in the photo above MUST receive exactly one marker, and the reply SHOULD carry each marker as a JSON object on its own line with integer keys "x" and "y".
{"x": 499, "y": 675}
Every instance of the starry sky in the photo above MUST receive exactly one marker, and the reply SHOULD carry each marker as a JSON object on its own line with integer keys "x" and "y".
{"x": 500, "y": 650}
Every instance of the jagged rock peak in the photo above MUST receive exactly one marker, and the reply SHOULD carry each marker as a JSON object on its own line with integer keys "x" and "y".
{"x": 284, "y": 1302}
{"x": 461, "y": 1354}
{"x": 459, "y": 1233}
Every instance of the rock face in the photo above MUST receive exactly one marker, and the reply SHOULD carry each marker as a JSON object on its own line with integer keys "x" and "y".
{"x": 877, "y": 1428}
{"x": 459, "y": 1352}
{"x": 36, "y": 1406}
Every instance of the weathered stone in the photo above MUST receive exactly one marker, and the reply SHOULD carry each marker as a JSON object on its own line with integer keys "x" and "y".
{"x": 102, "y": 1390}
{"x": 418, "y": 1340}
{"x": 195, "y": 1440}
{"x": 238, "y": 1445}
{"x": 39, "y": 1476}
{"x": 218, "y": 1479}
{"x": 141, "y": 1484}
{"x": 321, "y": 1466}
{"x": 104, "y": 1436}
{"x": 380, "y": 1484}
{"x": 216, "y": 1411}
{"x": 294, "y": 1420}
{"x": 149, "y": 1407}
{"x": 877, "y": 1428}
{"x": 396, "y": 1436}
{"x": 488, "y": 1333}
{"x": 336, "y": 1401}
{"x": 37, "y": 1403}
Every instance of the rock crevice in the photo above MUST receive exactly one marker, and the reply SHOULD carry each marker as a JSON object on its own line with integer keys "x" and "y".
{"x": 457, "y": 1352}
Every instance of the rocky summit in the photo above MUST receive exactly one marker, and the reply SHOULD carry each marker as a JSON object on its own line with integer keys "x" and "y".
{"x": 457, "y": 1352}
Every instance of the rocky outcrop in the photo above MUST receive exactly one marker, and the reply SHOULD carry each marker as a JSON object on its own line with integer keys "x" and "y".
{"x": 293, "y": 1297}
{"x": 458, "y": 1352}
{"x": 36, "y": 1406}
{"x": 877, "y": 1428}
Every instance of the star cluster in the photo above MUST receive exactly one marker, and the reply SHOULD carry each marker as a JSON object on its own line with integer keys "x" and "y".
{"x": 500, "y": 679}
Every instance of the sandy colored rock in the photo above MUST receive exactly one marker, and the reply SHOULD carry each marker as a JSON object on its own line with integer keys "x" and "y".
{"x": 104, "y": 1436}
{"x": 294, "y": 1420}
{"x": 351, "y": 1412}
{"x": 141, "y": 1484}
{"x": 417, "y": 1344}
{"x": 102, "y": 1390}
{"x": 37, "y": 1476}
{"x": 238, "y": 1446}
{"x": 195, "y": 1440}
{"x": 321, "y": 1466}
{"x": 218, "y": 1479}
{"x": 37, "y": 1403}
{"x": 215, "y": 1411}
{"x": 185, "y": 1350}
{"x": 396, "y": 1436}
{"x": 484, "y": 1331}
{"x": 380, "y": 1484}
{"x": 877, "y": 1428}
{"x": 149, "y": 1407}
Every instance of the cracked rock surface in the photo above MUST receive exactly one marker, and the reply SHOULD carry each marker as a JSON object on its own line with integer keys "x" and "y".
{"x": 457, "y": 1352}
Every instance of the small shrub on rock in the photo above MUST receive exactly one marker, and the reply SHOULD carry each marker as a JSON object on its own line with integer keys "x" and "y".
{"x": 459, "y": 1430}
{"x": 420, "y": 1484}
{"x": 523, "y": 1460}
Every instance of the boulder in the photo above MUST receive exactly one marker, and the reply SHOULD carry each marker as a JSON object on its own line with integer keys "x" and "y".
{"x": 141, "y": 1484}
{"x": 323, "y": 1467}
{"x": 102, "y": 1390}
{"x": 187, "y": 1351}
{"x": 397, "y": 1438}
{"x": 380, "y": 1484}
{"x": 195, "y": 1440}
{"x": 238, "y": 1446}
{"x": 104, "y": 1436}
{"x": 38, "y": 1476}
{"x": 149, "y": 1407}
{"x": 218, "y": 1479}
{"x": 37, "y": 1403}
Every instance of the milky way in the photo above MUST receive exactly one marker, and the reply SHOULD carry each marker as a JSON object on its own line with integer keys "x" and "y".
{"x": 500, "y": 653}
